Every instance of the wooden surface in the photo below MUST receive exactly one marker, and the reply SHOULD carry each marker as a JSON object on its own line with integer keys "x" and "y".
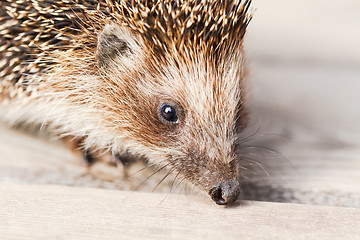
{"x": 304, "y": 59}
{"x": 54, "y": 212}
{"x": 305, "y": 72}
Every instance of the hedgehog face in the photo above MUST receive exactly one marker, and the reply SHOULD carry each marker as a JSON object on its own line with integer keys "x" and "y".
{"x": 209, "y": 100}
{"x": 183, "y": 111}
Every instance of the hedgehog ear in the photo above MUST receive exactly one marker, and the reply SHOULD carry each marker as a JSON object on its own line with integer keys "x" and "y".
{"x": 115, "y": 45}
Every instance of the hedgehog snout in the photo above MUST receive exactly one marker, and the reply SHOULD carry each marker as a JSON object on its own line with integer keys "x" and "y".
{"x": 225, "y": 193}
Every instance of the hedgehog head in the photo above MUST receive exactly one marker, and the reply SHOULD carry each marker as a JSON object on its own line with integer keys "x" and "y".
{"x": 176, "y": 70}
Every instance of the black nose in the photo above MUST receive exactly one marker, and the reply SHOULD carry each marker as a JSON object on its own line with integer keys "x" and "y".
{"x": 225, "y": 193}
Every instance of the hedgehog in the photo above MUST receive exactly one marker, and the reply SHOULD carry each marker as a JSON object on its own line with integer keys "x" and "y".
{"x": 161, "y": 80}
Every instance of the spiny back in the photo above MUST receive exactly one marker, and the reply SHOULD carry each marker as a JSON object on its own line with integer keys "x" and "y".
{"x": 203, "y": 25}
{"x": 32, "y": 30}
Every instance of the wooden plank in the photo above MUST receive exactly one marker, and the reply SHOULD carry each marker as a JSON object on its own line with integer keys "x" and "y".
{"x": 310, "y": 116}
{"x": 304, "y": 75}
{"x": 57, "y": 212}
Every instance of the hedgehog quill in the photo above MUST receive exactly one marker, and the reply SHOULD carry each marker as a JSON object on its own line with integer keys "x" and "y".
{"x": 163, "y": 80}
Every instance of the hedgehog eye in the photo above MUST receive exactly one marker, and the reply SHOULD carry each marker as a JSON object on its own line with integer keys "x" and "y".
{"x": 168, "y": 113}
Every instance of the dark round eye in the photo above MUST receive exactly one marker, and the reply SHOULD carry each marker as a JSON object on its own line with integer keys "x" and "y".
{"x": 168, "y": 113}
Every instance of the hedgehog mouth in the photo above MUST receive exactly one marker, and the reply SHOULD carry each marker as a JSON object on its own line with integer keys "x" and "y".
{"x": 225, "y": 193}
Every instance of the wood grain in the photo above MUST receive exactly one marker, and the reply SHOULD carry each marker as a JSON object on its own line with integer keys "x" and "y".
{"x": 58, "y": 212}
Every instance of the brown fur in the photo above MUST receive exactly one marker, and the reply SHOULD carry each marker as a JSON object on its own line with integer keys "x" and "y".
{"x": 184, "y": 53}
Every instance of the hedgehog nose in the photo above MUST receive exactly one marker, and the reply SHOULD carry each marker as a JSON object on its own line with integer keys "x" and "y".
{"x": 225, "y": 193}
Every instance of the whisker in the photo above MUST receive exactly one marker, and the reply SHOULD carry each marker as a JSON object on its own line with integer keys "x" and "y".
{"x": 181, "y": 182}
{"x": 272, "y": 151}
{"x": 251, "y": 136}
{"x": 268, "y": 150}
{"x": 183, "y": 187}
{"x": 157, "y": 171}
{"x": 174, "y": 180}
{"x": 171, "y": 189}
{"x": 166, "y": 175}
{"x": 256, "y": 163}
{"x": 142, "y": 169}
{"x": 275, "y": 135}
